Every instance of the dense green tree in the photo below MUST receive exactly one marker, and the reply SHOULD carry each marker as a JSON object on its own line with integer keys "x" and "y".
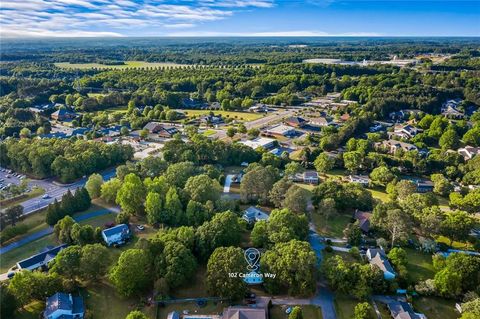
{"x": 296, "y": 313}
{"x": 257, "y": 183}
{"x": 223, "y": 230}
{"x": 362, "y": 311}
{"x": 196, "y": 213}
{"x": 457, "y": 225}
{"x": 94, "y": 261}
{"x": 133, "y": 272}
{"x": 28, "y": 286}
{"x": 202, "y": 188}
{"x": 63, "y": 230}
{"x": 223, "y": 262}
{"x": 131, "y": 195}
{"x": 173, "y": 210}
{"x": 177, "y": 264}
{"x": 279, "y": 190}
{"x": 109, "y": 190}
{"x": 153, "y": 207}
{"x": 381, "y": 175}
{"x": 67, "y": 262}
{"x": 136, "y": 314}
{"x": 296, "y": 199}
{"x": 177, "y": 174}
{"x": 94, "y": 185}
{"x": 352, "y": 160}
{"x": 8, "y": 302}
{"x": 286, "y": 258}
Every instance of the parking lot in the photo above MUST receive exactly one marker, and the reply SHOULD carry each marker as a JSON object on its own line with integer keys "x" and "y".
{"x": 9, "y": 177}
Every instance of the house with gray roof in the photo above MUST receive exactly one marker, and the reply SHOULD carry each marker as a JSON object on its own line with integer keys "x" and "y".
{"x": 403, "y": 310}
{"x": 116, "y": 235}
{"x": 378, "y": 258}
{"x": 253, "y": 214}
{"x": 40, "y": 260}
{"x": 64, "y": 306}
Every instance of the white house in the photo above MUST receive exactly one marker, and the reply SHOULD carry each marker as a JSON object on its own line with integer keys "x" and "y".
{"x": 260, "y": 142}
{"x": 40, "y": 260}
{"x": 116, "y": 235}
{"x": 254, "y": 214}
{"x": 377, "y": 257}
{"x": 406, "y": 131}
{"x": 468, "y": 152}
{"x": 364, "y": 180}
{"x": 62, "y": 305}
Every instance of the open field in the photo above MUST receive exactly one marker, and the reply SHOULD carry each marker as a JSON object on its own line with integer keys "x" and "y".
{"x": 128, "y": 64}
{"x": 244, "y": 116}
{"x": 419, "y": 266}
{"x": 333, "y": 227}
{"x": 434, "y": 307}
{"x": 308, "y": 311}
{"x": 210, "y": 309}
{"x": 345, "y": 306}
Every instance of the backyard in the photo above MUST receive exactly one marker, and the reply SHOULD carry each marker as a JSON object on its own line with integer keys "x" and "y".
{"x": 345, "y": 306}
{"x": 333, "y": 227}
{"x": 308, "y": 311}
{"x": 244, "y": 116}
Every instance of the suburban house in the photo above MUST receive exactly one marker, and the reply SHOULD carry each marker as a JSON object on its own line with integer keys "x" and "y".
{"x": 363, "y": 220}
{"x": 40, "y": 260}
{"x": 259, "y": 108}
{"x": 244, "y": 312}
{"x": 319, "y": 121}
{"x": 280, "y": 130}
{"x": 405, "y": 131}
{"x": 116, "y": 235}
{"x": 295, "y": 121}
{"x": 166, "y": 131}
{"x": 190, "y": 103}
{"x": 377, "y": 257}
{"x": 63, "y": 114}
{"x": 450, "y": 109}
{"x": 468, "y": 152}
{"x": 64, "y": 306}
{"x": 403, "y": 310}
{"x": 310, "y": 177}
{"x": 392, "y": 146}
{"x": 364, "y": 180}
{"x": 211, "y": 120}
{"x": 423, "y": 185}
{"x": 264, "y": 142}
{"x": 253, "y": 214}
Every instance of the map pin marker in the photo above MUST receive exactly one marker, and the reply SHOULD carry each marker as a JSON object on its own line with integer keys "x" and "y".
{"x": 252, "y": 256}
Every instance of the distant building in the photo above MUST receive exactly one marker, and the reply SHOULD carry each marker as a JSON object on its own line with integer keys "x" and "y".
{"x": 423, "y": 185}
{"x": 377, "y": 257}
{"x": 254, "y": 214}
{"x": 211, "y": 120}
{"x": 345, "y": 117}
{"x": 63, "y": 114}
{"x": 310, "y": 177}
{"x": 166, "y": 131}
{"x": 403, "y": 310}
{"x": 363, "y": 220}
{"x": 295, "y": 121}
{"x": 173, "y": 315}
{"x": 406, "y": 131}
{"x": 450, "y": 109}
{"x": 244, "y": 312}
{"x": 364, "y": 180}
{"x": 264, "y": 142}
{"x": 281, "y": 130}
{"x": 319, "y": 121}
{"x": 468, "y": 152}
{"x": 259, "y": 108}
{"x": 116, "y": 235}
{"x": 64, "y": 306}
{"x": 40, "y": 260}
{"x": 393, "y": 145}
{"x": 193, "y": 103}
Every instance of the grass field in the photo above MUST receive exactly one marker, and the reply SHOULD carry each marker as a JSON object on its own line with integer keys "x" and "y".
{"x": 434, "y": 307}
{"x": 244, "y": 116}
{"x": 128, "y": 64}
{"x": 308, "y": 311}
{"x": 210, "y": 309}
{"x": 345, "y": 307}
{"x": 333, "y": 227}
{"x": 419, "y": 265}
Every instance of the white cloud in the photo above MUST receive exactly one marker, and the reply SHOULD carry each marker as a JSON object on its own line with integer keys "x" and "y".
{"x": 300, "y": 33}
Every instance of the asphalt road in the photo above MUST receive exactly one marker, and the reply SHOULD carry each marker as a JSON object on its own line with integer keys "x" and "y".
{"x": 55, "y": 191}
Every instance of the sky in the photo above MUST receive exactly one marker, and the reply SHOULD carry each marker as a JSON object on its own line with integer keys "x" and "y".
{"x": 134, "y": 18}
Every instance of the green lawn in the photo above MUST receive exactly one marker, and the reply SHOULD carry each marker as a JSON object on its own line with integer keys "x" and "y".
{"x": 9, "y": 259}
{"x": 209, "y": 132}
{"x": 379, "y": 194}
{"x": 345, "y": 307}
{"x": 434, "y": 307}
{"x": 210, "y": 309}
{"x": 419, "y": 265}
{"x": 333, "y": 227}
{"x": 455, "y": 244}
{"x": 128, "y": 64}
{"x": 244, "y": 116}
{"x": 104, "y": 303}
{"x": 308, "y": 311}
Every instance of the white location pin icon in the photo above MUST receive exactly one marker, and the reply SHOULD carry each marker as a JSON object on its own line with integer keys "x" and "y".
{"x": 252, "y": 256}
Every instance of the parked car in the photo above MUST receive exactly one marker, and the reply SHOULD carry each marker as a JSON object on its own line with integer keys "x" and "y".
{"x": 45, "y": 196}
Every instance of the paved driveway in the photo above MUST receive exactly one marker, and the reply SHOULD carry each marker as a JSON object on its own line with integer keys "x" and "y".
{"x": 228, "y": 182}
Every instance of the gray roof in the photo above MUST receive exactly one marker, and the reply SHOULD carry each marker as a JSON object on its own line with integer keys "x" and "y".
{"x": 121, "y": 228}
{"x": 63, "y": 301}
{"x": 44, "y": 256}
{"x": 238, "y": 312}
{"x": 402, "y": 310}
